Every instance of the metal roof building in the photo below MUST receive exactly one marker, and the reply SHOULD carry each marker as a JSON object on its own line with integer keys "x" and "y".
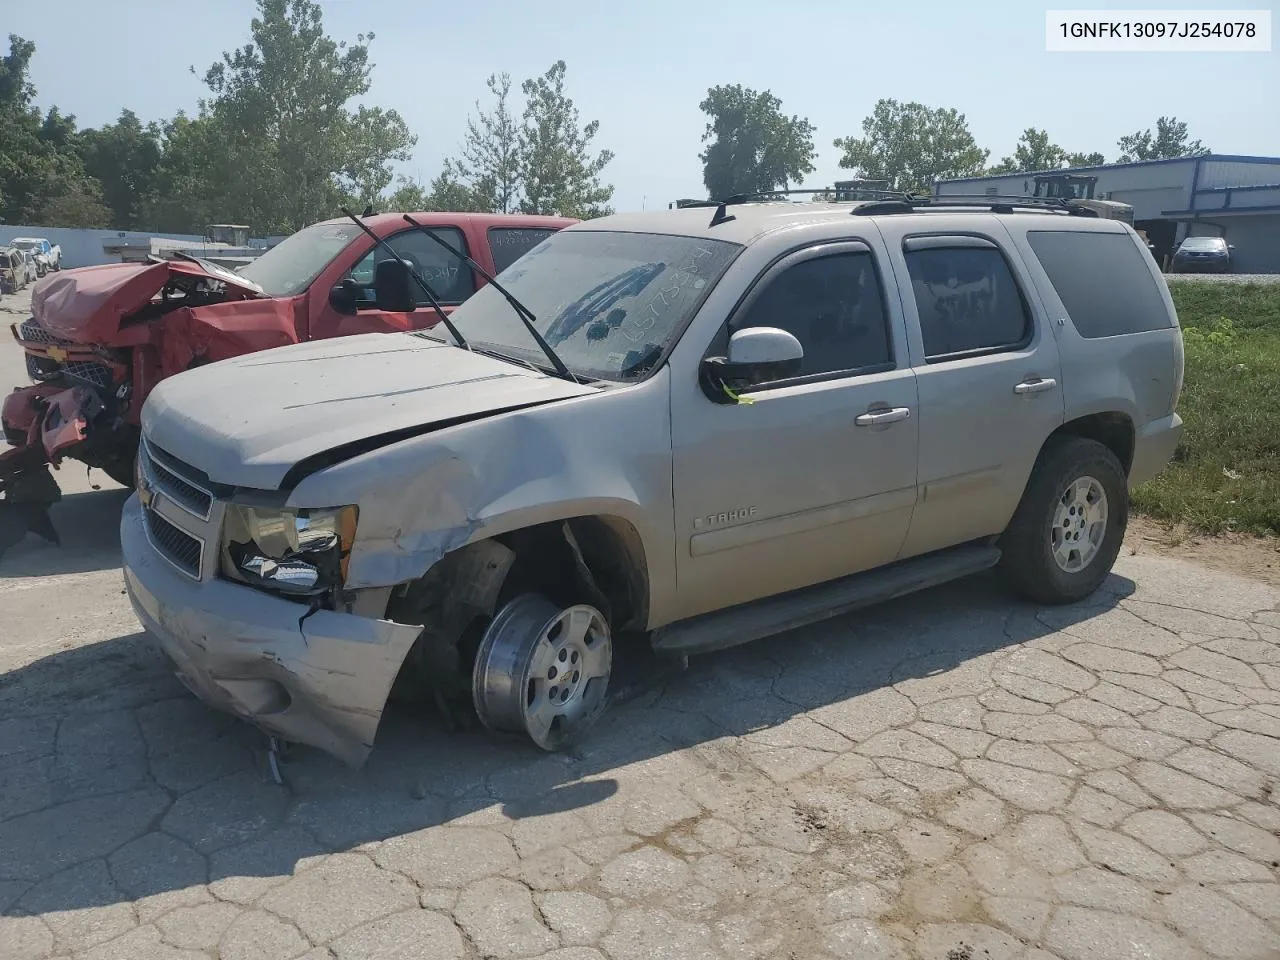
{"x": 1219, "y": 195}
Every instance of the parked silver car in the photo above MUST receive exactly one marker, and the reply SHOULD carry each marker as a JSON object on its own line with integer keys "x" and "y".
{"x": 733, "y": 421}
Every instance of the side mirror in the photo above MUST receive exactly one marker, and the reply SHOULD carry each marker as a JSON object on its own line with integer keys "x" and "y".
{"x": 393, "y": 287}
{"x": 343, "y": 296}
{"x": 756, "y": 355}
{"x": 1231, "y": 246}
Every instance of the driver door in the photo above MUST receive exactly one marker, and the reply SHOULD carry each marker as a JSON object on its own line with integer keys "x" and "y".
{"x": 449, "y": 277}
{"x": 816, "y": 477}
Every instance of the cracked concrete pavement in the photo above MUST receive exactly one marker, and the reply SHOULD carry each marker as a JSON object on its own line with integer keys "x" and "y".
{"x": 953, "y": 776}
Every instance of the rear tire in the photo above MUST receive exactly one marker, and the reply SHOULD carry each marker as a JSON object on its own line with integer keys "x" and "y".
{"x": 1069, "y": 526}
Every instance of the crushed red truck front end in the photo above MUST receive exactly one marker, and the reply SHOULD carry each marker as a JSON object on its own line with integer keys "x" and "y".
{"x": 93, "y": 349}
{"x": 100, "y": 338}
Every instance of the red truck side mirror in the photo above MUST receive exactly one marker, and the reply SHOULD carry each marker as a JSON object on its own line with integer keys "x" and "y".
{"x": 343, "y": 296}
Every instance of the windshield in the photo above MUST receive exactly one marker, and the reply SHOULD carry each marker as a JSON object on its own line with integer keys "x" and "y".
{"x": 1202, "y": 244}
{"x": 609, "y": 304}
{"x": 288, "y": 268}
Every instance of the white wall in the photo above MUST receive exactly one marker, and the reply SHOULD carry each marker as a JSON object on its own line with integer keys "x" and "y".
{"x": 82, "y": 248}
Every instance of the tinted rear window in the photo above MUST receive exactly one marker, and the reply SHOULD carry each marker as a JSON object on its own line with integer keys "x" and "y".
{"x": 509, "y": 244}
{"x": 1103, "y": 280}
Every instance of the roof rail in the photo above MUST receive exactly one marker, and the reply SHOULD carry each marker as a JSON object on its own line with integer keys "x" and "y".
{"x": 996, "y": 204}
{"x": 765, "y": 196}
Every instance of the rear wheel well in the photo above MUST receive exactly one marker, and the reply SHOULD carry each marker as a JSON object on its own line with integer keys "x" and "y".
{"x": 1113, "y": 430}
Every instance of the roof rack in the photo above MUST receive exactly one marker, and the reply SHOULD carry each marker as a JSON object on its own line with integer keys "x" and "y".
{"x": 765, "y": 196}
{"x": 996, "y": 204}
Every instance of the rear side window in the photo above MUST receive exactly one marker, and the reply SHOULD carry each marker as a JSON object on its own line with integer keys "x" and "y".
{"x": 967, "y": 299}
{"x": 509, "y": 244}
{"x": 1103, "y": 281}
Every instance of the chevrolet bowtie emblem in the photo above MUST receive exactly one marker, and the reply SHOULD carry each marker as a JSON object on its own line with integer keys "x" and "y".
{"x": 57, "y": 353}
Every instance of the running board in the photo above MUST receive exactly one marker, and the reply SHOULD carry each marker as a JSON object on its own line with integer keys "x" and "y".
{"x": 787, "y": 611}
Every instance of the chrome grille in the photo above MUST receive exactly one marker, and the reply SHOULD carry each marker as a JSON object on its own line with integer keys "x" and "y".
{"x": 163, "y": 470}
{"x": 42, "y": 368}
{"x": 32, "y": 332}
{"x": 177, "y": 546}
{"x": 94, "y": 374}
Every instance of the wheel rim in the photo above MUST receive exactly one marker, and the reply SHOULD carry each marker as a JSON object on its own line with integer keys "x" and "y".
{"x": 543, "y": 670}
{"x": 1079, "y": 524}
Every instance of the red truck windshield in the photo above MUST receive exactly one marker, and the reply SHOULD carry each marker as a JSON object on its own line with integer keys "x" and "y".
{"x": 288, "y": 268}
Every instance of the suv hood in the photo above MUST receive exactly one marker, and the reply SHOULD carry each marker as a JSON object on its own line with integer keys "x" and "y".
{"x": 88, "y": 304}
{"x": 246, "y": 421}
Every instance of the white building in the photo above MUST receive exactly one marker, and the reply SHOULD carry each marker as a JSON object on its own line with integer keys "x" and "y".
{"x": 1216, "y": 195}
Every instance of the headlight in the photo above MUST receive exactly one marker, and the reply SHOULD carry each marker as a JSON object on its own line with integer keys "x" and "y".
{"x": 302, "y": 552}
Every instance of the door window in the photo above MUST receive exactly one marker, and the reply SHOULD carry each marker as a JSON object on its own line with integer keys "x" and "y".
{"x": 509, "y": 244}
{"x": 834, "y": 305}
{"x": 449, "y": 277}
{"x": 967, "y": 299}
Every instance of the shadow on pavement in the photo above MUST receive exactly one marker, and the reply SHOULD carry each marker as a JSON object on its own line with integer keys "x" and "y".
{"x": 89, "y": 526}
{"x": 119, "y": 785}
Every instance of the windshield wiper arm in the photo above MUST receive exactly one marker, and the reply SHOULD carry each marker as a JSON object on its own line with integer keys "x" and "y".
{"x": 523, "y": 312}
{"x": 426, "y": 288}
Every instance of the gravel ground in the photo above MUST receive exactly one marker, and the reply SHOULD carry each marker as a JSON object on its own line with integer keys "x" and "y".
{"x": 1222, "y": 277}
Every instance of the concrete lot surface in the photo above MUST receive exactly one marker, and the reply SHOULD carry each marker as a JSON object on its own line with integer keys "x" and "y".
{"x": 954, "y": 776}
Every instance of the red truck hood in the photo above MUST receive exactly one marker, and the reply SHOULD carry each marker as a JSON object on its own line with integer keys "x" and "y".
{"x": 87, "y": 305}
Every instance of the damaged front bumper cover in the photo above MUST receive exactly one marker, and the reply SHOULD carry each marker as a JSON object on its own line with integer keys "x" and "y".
{"x": 321, "y": 679}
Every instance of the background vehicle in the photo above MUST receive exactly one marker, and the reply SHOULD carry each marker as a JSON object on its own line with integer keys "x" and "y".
{"x": 48, "y": 256}
{"x": 32, "y": 267}
{"x": 1079, "y": 189}
{"x": 1202, "y": 255}
{"x": 737, "y": 421}
{"x": 100, "y": 338}
{"x": 13, "y": 270}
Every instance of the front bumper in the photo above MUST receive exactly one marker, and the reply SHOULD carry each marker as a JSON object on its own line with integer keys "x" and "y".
{"x": 1154, "y": 447}
{"x": 322, "y": 679}
{"x": 1201, "y": 266}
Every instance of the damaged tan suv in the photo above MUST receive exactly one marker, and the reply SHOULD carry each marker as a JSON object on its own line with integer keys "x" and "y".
{"x": 687, "y": 429}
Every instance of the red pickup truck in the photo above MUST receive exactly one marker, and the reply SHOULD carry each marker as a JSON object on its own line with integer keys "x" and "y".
{"x": 100, "y": 338}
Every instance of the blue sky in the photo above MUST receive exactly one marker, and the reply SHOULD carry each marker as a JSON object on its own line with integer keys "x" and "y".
{"x": 642, "y": 68}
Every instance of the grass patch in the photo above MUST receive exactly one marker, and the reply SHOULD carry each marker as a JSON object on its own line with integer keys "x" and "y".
{"x": 1225, "y": 475}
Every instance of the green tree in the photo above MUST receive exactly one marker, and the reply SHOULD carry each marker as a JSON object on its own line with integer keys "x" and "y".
{"x": 124, "y": 157}
{"x": 191, "y": 162}
{"x": 1033, "y": 151}
{"x": 443, "y": 193}
{"x": 276, "y": 144}
{"x": 912, "y": 146}
{"x": 407, "y": 197}
{"x": 754, "y": 147}
{"x": 558, "y": 174}
{"x": 1170, "y": 140}
{"x": 490, "y": 160}
{"x": 1094, "y": 159}
{"x": 42, "y": 180}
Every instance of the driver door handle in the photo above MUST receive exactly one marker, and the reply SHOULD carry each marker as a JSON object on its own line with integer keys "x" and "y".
{"x": 1036, "y": 385}
{"x": 876, "y": 418}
